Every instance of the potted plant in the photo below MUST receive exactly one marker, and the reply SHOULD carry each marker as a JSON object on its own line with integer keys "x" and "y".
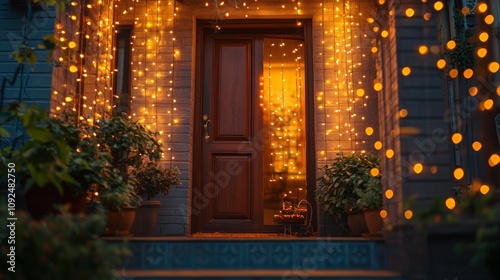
{"x": 370, "y": 200}
{"x": 151, "y": 180}
{"x": 120, "y": 201}
{"x": 128, "y": 143}
{"x": 336, "y": 188}
{"x": 53, "y": 162}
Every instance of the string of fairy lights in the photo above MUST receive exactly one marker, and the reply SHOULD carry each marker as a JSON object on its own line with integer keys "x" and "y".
{"x": 342, "y": 49}
{"x": 283, "y": 107}
{"x": 153, "y": 56}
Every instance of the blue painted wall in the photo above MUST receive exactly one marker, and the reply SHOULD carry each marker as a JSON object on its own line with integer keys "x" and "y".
{"x": 32, "y": 85}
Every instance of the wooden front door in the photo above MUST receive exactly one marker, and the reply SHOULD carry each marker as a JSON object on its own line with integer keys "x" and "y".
{"x": 230, "y": 119}
{"x": 232, "y": 191}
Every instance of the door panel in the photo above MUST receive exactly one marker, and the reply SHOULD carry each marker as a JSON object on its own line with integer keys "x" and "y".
{"x": 233, "y": 89}
{"x": 233, "y": 199}
{"x": 230, "y": 180}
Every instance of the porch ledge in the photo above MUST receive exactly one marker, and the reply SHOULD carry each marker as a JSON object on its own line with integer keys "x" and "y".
{"x": 240, "y": 273}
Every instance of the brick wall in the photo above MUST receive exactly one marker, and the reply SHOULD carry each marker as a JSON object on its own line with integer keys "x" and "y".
{"x": 89, "y": 84}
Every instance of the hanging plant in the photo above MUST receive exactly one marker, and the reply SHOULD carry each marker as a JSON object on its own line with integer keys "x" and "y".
{"x": 462, "y": 56}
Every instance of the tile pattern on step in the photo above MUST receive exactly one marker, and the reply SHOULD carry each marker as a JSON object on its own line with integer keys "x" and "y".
{"x": 275, "y": 254}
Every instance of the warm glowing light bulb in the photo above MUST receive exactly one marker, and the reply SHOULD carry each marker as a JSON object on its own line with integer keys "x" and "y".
{"x": 488, "y": 104}
{"x": 489, "y": 19}
{"x": 494, "y": 67}
{"x": 383, "y": 214}
{"x": 450, "y": 203}
{"x": 438, "y": 6}
{"x": 374, "y": 49}
{"x": 410, "y": 12}
{"x": 453, "y": 73}
{"x": 441, "y": 63}
{"x": 360, "y": 92}
{"x": 389, "y": 194}
{"x": 477, "y": 146}
{"x": 482, "y": 52}
{"x": 369, "y": 131}
{"x": 377, "y": 86}
{"x": 423, "y": 50}
{"x": 403, "y": 113}
{"x": 408, "y": 214}
{"x": 468, "y": 73}
{"x": 451, "y": 45}
{"x": 482, "y": 7}
{"x": 458, "y": 173}
{"x": 484, "y": 189}
{"x": 473, "y": 91}
{"x": 406, "y": 71}
{"x": 456, "y": 138}
{"x": 374, "y": 172}
{"x": 71, "y": 45}
{"x": 494, "y": 160}
{"x": 418, "y": 168}
{"x": 384, "y": 34}
{"x": 483, "y": 37}
{"x": 389, "y": 153}
{"x": 73, "y": 69}
{"x": 377, "y": 145}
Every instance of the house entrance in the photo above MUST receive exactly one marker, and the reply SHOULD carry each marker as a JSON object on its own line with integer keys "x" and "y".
{"x": 251, "y": 125}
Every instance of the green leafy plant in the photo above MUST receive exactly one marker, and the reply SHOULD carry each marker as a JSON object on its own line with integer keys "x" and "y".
{"x": 370, "y": 194}
{"x": 127, "y": 141}
{"x": 45, "y": 156}
{"x": 463, "y": 54}
{"x": 118, "y": 197}
{"x": 60, "y": 153}
{"x": 129, "y": 144}
{"x": 474, "y": 207}
{"x": 152, "y": 180}
{"x": 340, "y": 178}
{"x": 54, "y": 151}
{"x": 61, "y": 247}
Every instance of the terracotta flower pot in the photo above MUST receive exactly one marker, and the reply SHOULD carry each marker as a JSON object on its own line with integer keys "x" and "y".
{"x": 119, "y": 223}
{"x": 357, "y": 223}
{"x": 146, "y": 218}
{"x": 374, "y": 221}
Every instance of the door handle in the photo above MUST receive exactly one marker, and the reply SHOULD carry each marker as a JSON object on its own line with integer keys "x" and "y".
{"x": 206, "y": 121}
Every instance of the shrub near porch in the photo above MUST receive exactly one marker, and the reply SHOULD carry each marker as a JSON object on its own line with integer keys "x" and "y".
{"x": 342, "y": 180}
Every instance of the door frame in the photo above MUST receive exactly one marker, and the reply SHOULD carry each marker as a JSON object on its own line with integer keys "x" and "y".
{"x": 270, "y": 26}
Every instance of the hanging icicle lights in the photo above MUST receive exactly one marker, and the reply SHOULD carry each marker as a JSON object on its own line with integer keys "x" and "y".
{"x": 345, "y": 37}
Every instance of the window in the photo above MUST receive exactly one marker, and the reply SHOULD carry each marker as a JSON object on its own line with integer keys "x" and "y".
{"x": 121, "y": 100}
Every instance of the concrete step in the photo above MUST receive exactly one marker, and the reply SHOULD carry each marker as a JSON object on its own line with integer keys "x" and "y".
{"x": 187, "y": 253}
{"x": 263, "y": 274}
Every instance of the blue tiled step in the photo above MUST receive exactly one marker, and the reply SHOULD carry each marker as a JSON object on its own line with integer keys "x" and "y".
{"x": 184, "y": 253}
{"x": 263, "y": 274}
